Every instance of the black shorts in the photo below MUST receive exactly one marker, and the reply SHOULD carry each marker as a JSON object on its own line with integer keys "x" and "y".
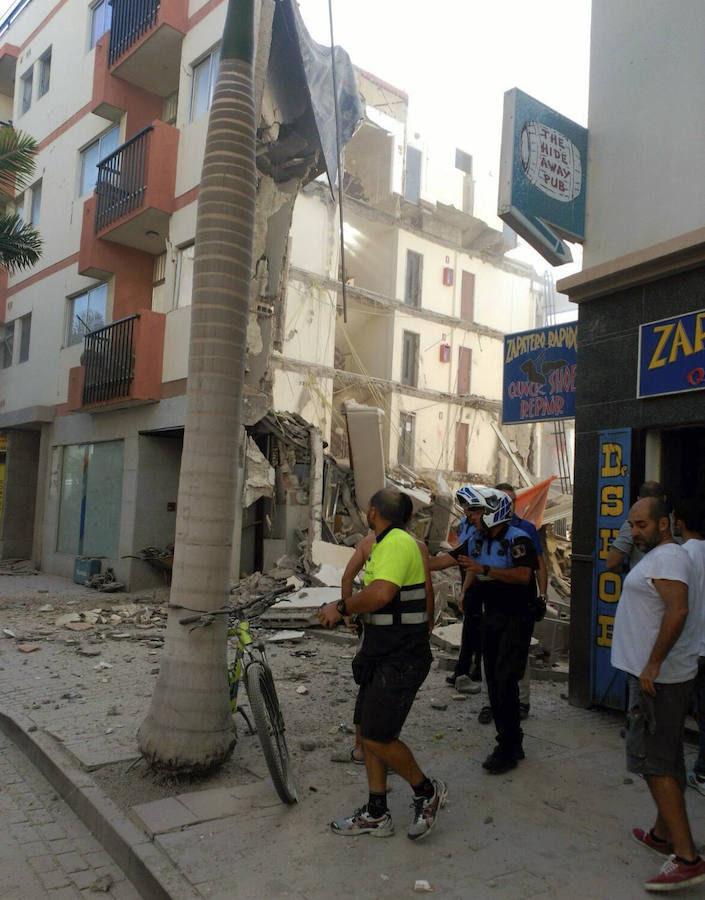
{"x": 655, "y": 729}
{"x": 383, "y": 703}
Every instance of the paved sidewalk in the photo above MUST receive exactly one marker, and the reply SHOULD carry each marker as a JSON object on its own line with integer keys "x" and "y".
{"x": 45, "y": 850}
{"x": 556, "y": 827}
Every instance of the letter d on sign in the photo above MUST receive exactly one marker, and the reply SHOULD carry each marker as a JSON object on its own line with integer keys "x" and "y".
{"x": 612, "y": 460}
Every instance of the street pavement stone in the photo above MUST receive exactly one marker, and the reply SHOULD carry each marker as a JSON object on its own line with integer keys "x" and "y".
{"x": 48, "y": 859}
{"x": 558, "y": 826}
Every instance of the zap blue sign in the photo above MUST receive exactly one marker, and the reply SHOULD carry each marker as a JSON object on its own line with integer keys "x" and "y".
{"x": 672, "y": 355}
{"x": 542, "y": 176}
{"x": 539, "y": 374}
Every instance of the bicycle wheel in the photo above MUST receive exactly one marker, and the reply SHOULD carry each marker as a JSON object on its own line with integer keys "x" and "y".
{"x": 270, "y": 728}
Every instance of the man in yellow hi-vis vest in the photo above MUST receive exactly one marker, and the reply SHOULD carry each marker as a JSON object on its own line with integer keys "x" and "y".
{"x": 391, "y": 666}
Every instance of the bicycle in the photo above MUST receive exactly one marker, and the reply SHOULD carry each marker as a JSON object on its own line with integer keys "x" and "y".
{"x": 251, "y": 658}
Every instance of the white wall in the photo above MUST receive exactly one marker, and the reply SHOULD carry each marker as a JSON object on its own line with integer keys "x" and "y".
{"x": 647, "y": 131}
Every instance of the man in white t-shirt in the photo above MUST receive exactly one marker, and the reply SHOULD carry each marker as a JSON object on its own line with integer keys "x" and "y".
{"x": 657, "y": 642}
{"x": 689, "y": 521}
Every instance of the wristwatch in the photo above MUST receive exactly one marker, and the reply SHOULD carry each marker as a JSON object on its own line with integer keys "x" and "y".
{"x": 340, "y": 606}
{"x": 485, "y": 570}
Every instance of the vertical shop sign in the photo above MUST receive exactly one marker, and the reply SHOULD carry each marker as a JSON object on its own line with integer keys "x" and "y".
{"x": 613, "y": 480}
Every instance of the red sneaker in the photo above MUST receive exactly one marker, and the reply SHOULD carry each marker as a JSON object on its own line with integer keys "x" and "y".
{"x": 646, "y": 839}
{"x": 675, "y": 874}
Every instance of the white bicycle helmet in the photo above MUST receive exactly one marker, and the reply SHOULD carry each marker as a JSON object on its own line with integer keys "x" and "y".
{"x": 498, "y": 507}
{"x": 470, "y": 497}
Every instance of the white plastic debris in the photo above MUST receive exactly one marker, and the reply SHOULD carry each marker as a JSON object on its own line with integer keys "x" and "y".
{"x": 421, "y": 886}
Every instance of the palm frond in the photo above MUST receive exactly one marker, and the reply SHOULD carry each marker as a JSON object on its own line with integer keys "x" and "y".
{"x": 17, "y": 152}
{"x": 20, "y": 244}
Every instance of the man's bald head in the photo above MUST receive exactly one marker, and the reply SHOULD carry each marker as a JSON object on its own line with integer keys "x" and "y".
{"x": 650, "y": 523}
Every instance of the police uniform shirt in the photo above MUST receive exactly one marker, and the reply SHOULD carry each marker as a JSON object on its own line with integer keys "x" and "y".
{"x": 511, "y": 548}
{"x": 402, "y": 623}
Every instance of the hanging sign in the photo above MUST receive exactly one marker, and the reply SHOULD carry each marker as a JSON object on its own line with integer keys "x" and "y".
{"x": 542, "y": 176}
{"x": 672, "y": 355}
{"x": 613, "y": 483}
{"x": 539, "y": 374}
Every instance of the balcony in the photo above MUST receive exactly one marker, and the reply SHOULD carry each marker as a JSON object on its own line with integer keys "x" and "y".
{"x": 135, "y": 190}
{"x": 145, "y": 43}
{"x": 121, "y": 365}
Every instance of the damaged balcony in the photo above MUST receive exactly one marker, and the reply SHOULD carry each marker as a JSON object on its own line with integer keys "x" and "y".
{"x": 135, "y": 190}
{"x": 145, "y": 43}
{"x": 121, "y": 365}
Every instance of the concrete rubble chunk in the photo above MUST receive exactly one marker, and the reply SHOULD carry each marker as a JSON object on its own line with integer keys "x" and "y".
{"x": 282, "y": 636}
{"x": 300, "y": 608}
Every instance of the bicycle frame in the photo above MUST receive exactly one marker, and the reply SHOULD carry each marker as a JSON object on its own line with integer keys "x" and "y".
{"x": 245, "y": 645}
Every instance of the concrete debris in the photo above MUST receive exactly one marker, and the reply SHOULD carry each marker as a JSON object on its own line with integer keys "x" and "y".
{"x": 17, "y": 567}
{"x": 282, "y": 636}
{"x": 9, "y": 633}
{"x": 328, "y": 576}
{"x": 300, "y": 608}
{"x": 421, "y": 886}
{"x": 448, "y": 637}
{"x": 302, "y": 689}
{"x": 105, "y": 582}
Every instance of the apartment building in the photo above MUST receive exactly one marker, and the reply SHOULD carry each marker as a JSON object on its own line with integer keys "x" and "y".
{"x": 430, "y": 294}
{"x": 95, "y": 337}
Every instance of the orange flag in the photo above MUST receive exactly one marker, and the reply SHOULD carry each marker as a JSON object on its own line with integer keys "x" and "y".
{"x": 531, "y": 502}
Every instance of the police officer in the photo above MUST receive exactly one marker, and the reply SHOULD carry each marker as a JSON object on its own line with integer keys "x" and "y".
{"x": 502, "y": 563}
{"x": 467, "y": 673}
{"x": 391, "y": 665}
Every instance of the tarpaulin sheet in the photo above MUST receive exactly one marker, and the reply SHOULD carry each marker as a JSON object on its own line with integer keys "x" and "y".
{"x": 531, "y": 502}
{"x": 316, "y": 60}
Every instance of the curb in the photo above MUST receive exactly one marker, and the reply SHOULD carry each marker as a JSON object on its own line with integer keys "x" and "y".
{"x": 149, "y": 870}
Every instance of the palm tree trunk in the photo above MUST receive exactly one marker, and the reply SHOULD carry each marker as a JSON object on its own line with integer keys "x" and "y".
{"x": 189, "y": 726}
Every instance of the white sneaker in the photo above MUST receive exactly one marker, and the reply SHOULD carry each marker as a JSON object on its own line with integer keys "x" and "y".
{"x": 465, "y": 685}
{"x": 361, "y": 822}
{"x": 426, "y": 811}
{"x": 696, "y": 781}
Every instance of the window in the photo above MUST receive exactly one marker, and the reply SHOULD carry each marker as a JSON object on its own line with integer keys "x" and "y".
{"x": 25, "y": 333}
{"x": 410, "y": 359}
{"x": 8, "y": 345}
{"x": 464, "y": 368}
{"x": 412, "y": 182}
{"x": 35, "y": 203}
{"x": 414, "y": 274}
{"x": 30, "y": 200}
{"x": 407, "y": 437}
{"x": 462, "y": 436}
{"x": 205, "y": 75}
{"x": 26, "y": 91}
{"x": 183, "y": 282}
{"x": 467, "y": 297}
{"x": 44, "y": 73}
{"x": 86, "y": 313}
{"x": 91, "y": 155}
{"x": 91, "y": 499}
{"x": 101, "y": 15}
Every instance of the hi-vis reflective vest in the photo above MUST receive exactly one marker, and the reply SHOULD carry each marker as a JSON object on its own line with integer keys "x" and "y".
{"x": 396, "y": 557}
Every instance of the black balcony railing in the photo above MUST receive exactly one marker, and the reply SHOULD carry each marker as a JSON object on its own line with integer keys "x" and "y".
{"x": 131, "y": 19}
{"x": 109, "y": 361}
{"x": 122, "y": 180}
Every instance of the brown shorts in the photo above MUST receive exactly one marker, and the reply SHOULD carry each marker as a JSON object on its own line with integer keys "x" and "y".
{"x": 655, "y": 729}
